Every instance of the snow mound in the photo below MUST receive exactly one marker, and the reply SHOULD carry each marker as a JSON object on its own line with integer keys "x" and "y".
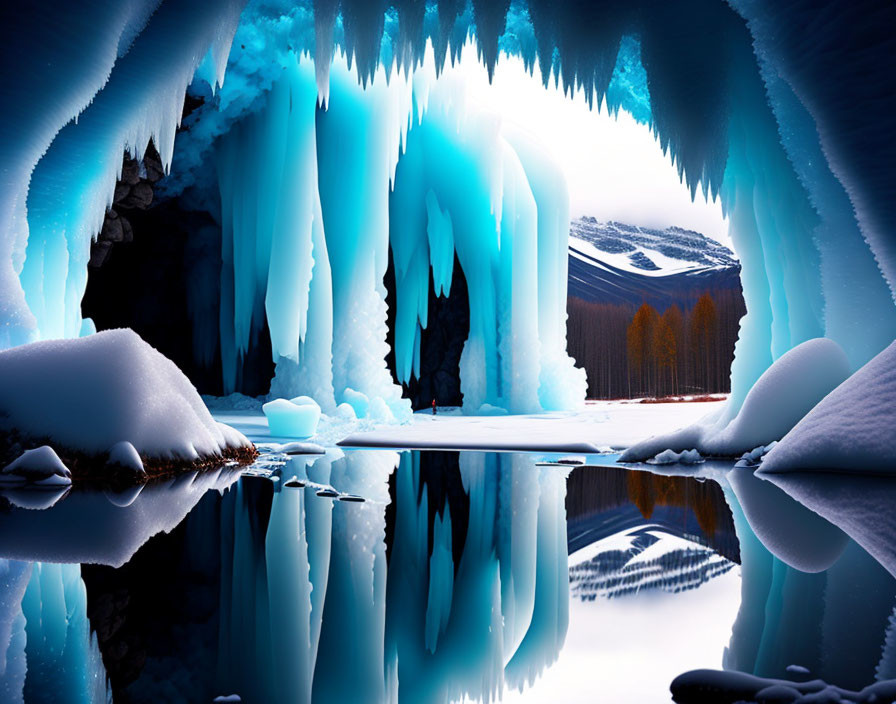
{"x": 852, "y": 429}
{"x": 783, "y": 395}
{"x": 40, "y": 465}
{"x": 670, "y": 457}
{"x": 125, "y": 455}
{"x": 87, "y": 394}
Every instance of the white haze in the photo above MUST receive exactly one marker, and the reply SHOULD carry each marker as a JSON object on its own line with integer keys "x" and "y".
{"x": 615, "y": 168}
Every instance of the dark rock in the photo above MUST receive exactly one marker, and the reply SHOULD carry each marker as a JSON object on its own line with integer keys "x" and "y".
{"x": 99, "y": 253}
{"x": 127, "y": 232}
{"x": 130, "y": 171}
{"x": 152, "y": 164}
{"x": 112, "y": 228}
{"x": 140, "y": 196}
{"x": 122, "y": 191}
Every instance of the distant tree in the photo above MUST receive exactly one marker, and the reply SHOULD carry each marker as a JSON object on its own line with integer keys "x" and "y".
{"x": 703, "y": 323}
{"x": 665, "y": 355}
{"x": 674, "y": 319}
{"x": 640, "y": 345}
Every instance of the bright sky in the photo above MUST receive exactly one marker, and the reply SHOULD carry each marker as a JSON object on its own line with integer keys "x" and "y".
{"x": 615, "y": 168}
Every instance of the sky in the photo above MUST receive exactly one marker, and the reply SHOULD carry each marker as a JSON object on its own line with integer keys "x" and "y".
{"x": 615, "y": 167}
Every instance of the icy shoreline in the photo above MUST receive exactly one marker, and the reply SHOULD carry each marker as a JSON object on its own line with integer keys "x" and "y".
{"x": 601, "y": 427}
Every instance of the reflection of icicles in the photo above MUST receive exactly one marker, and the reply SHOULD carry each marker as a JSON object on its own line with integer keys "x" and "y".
{"x": 279, "y": 576}
{"x": 63, "y": 660}
{"x": 501, "y": 611}
{"x": 886, "y": 668}
{"x": 14, "y": 578}
{"x": 441, "y": 580}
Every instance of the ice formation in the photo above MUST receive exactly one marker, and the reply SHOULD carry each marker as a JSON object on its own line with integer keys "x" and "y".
{"x": 852, "y": 429}
{"x": 289, "y": 419}
{"x": 777, "y": 127}
{"x": 88, "y": 394}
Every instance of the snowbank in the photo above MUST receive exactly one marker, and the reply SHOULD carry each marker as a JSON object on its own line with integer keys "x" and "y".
{"x": 85, "y": 396}
{"x": 852, "y": 429}
{"x": 785, "y": 393}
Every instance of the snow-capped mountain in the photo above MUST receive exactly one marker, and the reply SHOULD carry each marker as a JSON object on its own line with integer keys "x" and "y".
{"x": 616, "y": 263}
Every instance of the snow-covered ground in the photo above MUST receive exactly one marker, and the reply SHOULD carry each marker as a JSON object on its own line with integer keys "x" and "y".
{"x": 602, "y": 426}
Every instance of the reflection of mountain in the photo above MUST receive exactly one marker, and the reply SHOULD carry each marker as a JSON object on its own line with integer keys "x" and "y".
{"x": 605, "y": 501}
{"x": 641, "y": 559}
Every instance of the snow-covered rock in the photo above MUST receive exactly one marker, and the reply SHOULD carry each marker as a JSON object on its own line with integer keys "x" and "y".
{"x": 297, "y": 418}
{"x": 784, "y": 393}
{"x": 852, "y": 429}
{"x": 125, "y": 456}
{"x": 40, "y": 466}
{"x": 85, "y": 395}
{"x": 670, "y": 457}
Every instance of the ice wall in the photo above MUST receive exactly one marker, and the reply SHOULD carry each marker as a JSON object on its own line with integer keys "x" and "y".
{"x": 120, "y": 72}
{"x": 781, "y": 128}
{"x": 312, "y": 200}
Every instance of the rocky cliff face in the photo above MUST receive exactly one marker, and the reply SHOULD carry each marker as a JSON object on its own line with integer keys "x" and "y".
{"x": 134, "y": 191}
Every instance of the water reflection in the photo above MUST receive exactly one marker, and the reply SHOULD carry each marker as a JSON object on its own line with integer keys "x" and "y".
{"x": 452, "y": 579}
{"x": 811, "y": 597}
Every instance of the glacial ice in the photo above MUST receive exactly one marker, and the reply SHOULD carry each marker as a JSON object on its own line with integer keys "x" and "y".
{"x": 90, "y": 393}
{"x": 48, "y": 651}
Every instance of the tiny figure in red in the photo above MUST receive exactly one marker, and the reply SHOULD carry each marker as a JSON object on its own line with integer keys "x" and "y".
{"x": 433, "y": 406}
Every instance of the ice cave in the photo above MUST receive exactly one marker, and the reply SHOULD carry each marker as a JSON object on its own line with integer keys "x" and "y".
{"x": 285, "y": 297}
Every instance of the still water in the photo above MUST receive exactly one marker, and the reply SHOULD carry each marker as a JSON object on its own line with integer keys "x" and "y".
{"x": 378, "y": 576}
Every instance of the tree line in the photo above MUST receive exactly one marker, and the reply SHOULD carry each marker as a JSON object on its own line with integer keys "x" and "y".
{"x": 631, "y": 352}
